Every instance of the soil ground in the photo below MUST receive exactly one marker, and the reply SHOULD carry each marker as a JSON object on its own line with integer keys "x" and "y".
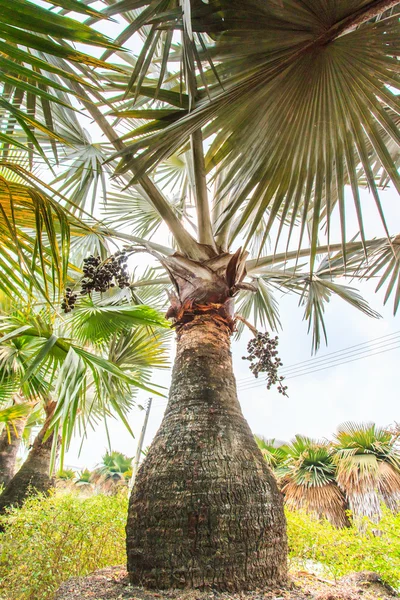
{"x": 112, "y": 584}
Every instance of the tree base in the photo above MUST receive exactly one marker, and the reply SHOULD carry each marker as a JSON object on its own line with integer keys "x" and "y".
{"x": 112, "y": 583}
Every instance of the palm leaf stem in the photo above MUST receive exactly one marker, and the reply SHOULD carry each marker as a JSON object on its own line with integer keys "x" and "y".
{"x": 164, "y": 250}
{"x": 355, "y": 19}
{"x": 205, "y": 232}
{"x": 183, "y": 238}
{"x": 256, "y": 264}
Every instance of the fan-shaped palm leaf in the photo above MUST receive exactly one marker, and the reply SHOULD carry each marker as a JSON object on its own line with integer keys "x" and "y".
{"x": 30, "y": 35}
{"x": 315, "y": 64}
{"x": 368, "y": 468}
{"x": 309, "y": 480}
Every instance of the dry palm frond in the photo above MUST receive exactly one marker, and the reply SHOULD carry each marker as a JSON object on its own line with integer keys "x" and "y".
{"x": 368, "y": 468}
{"x": 323, "y": 501}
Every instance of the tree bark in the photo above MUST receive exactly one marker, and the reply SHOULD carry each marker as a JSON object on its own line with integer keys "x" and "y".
{"x": 10, "y": 440}
{"x": 205, "y": 510}
{"x": 33, "y": 477}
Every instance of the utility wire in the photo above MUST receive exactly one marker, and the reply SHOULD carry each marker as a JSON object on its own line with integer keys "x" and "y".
{"x": 332, "y": 356}
{"x": 330, "y": 362}
{"x": 262, "y": 383}
{"x": 381, "y": 345}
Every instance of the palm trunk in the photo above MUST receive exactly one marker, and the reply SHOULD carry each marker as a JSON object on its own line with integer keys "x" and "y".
{"x": 10, "y": 440}
{"x": 33, "y": 476}
{"x": 205, "y": 509}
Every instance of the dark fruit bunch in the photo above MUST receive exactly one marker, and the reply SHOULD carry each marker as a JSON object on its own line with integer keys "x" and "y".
{"x": 100, "y": 276}
{"x": 69, "y": 300}
{"x": 263, "y": 357}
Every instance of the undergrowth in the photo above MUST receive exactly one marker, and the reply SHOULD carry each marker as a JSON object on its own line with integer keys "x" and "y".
{"x": 51, "y": 539}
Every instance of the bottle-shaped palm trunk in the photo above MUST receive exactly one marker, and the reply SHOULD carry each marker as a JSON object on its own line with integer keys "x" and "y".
{"x": 33, "y": 477}
{"x": 10, "y": 441}
{"x": 205, "y": 509}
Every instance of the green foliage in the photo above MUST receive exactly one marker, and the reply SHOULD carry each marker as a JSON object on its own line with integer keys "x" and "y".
{"x": 340, "y": 551}
{"x": 66, "y": 474}
{"x": 51, "y": 539}
{"x": 114, "y": 470}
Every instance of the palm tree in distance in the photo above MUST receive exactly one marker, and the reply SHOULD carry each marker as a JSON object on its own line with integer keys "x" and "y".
{"x": 50, "y": 363}
{"x": 238, "y": 126}
{"x": 308, "y": 479}
{"x": 273, "y": 452}
{"x": 114, "y": 471}
{"x": 368, "y": 468}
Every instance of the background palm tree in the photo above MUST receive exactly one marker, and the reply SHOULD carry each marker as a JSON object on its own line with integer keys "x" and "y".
{"x": 308, "y": 479}
{"x": 114, "y": 471}
{"x": 13, "y": 418}
{"x": 272, "y": 109}
{"x": 368, "y": 468}
{"x": 76, "y": 385}
{"x": 274, "y": 452}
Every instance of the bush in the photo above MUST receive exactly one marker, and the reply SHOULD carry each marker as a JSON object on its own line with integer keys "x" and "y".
{"x": 53, "y": 538}
{"x": 339, "y": 551}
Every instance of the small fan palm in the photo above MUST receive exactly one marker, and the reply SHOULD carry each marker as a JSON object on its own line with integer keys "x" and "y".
{"x": 76, "y": 383}
{"x": 309, "y": 480}
{"x": 114, "y": 471}
{"x": 273, "y": 453}
{"x": 368, "y": 468}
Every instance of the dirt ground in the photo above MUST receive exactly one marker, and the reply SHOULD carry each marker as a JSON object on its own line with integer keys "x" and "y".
{"x": 112, "y": 584}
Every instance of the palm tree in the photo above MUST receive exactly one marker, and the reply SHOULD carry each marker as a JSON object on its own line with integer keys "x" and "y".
{"x": 13, "y": 418}
{"x": 75, "y": 384}
{"x": 273, "y": 452}
{"x": 114, "y": 471}
{"x": 273, "y": 108}
{"x": 308, "y": 480}
{"x": 368, "y": 468}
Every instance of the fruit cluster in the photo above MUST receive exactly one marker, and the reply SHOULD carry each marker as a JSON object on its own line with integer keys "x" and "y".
{"x": 69, "y": 300}
{"x": 263, "y": 357}
{"x": 100, "y": 276}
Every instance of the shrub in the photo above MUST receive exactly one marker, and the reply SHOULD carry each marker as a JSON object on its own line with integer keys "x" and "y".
{"x": 340, "y": 551}
{"x": 51, "y": 539}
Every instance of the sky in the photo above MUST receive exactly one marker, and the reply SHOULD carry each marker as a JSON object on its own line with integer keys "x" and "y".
{"x": 361, "y": 390}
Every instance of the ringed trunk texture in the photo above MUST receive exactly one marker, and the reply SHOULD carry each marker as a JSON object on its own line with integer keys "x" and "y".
{"x": 33, "y": 477}
{"x": 205, "y": 510}
{"x": 10, "y": 441}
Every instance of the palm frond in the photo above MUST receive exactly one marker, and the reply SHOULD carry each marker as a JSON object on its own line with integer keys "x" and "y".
{"x": 98, "y": 324}
{"x": 340, "y": 93}
{"x": 35, "y": 232}
{"x": 30, "y": 36}
{"x": 260, "y": 306}
{"x": 385, "y": 264}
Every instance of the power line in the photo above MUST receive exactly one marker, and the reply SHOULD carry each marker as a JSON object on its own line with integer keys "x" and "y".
{"x": 342, "y": 352}
{"x": 382, "y": 344}
{"x": 291, "y": 372}
{"x": 259, "y": 384}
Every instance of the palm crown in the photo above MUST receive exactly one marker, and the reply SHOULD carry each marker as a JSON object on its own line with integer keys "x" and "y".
{"x": 274, "y": 109}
